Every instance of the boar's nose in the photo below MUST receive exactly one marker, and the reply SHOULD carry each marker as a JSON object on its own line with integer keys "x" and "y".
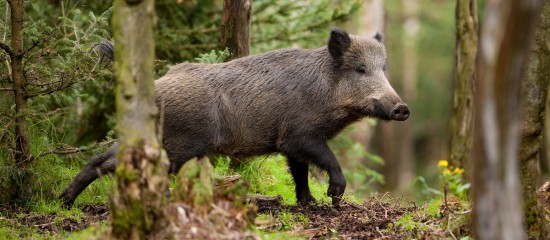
{"x": 400, "y": 112}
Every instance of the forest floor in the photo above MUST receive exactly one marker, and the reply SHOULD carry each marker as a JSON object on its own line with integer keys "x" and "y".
{"x": 391, "y": 218}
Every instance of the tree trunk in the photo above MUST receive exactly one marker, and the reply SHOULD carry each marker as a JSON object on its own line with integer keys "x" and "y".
{"x": 384, "y": 142}
{"x": 235, "y": 30}
{"x": 369, "y": 22}
{"x": 462, "y": 114}
{"x": 504, "y": 46}
{"x": 533, "y": 103}
{"x": 22, "y": 141}
{"x": 397, "y": 138}
{"x": 142, "y": 164}
{"x": 405, "y": 140}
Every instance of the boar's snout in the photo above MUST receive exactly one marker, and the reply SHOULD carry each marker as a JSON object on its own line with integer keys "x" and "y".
{"x": 400, "y": 112}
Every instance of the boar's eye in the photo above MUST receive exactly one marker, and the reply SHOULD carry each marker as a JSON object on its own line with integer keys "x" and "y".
{"x": 361, "y": 70}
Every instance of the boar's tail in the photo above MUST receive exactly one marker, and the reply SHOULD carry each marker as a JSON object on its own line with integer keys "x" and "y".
{"x": 97, "y": 166}
{"x": 105, "y": 50}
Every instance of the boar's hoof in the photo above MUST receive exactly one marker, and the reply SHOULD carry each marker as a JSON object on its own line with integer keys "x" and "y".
{"x": 336, "y": 200}
{"x": 306, "y": 199}
{"x": 336, "y": 191}
{"x": 67, "y": 202}
{"x": 400, "y": 112}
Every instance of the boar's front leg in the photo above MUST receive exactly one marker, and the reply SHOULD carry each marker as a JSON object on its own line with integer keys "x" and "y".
{"x": 299, "y": 171}
{"x": 316, "y": 151}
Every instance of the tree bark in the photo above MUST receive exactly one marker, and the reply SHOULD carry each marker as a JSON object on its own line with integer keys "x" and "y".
{"x": 142, "y": 164}
{"x": 235, "y": 29}
{"x": 370, "y": 23}
{"x": 462, "y": 114}
{"x": 534, "y": 93}
{"x": 23, "y": 156}
{"x": 404, "y": 169}
{"x": 504, "y": 46}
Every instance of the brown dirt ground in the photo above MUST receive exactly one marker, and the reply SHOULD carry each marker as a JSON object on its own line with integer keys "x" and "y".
{"x": 347, "y": 221}
{"x": 93, "y": 215}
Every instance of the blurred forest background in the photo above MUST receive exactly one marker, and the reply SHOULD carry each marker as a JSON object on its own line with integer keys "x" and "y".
{"x": 70, "y": 108}
{"x": 57, "y": 100}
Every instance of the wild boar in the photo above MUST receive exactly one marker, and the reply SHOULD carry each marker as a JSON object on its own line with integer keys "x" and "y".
{"x": 288, "y": 101}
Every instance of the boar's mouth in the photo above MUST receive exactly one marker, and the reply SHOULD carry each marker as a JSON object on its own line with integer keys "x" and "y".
{"x": 376, "y": 110}
{"x": 397, "y": 112}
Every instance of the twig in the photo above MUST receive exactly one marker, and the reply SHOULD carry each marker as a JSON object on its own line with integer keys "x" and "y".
{"x": 355, "y": 205}
{"x": 446, "y": 206}
{"x": 379, "y": 232}
{"x": 61, "y": 87}
{"x": 72, "y": 150}
{"x": 6, "y": 89}
{"x": 379, "y": 203}
{"x": 43, "y": 225}
{"x": 462, "y": 213}
{"x": 448, "y": 228}
{"x": 34, "y": 44}
{"x": 45, "y": 114}
{"x": 5, "y": 130}
{"x": 4, "y": 40}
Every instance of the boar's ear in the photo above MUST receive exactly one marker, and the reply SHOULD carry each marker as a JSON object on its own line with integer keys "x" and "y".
{"x": 338, "y": 43}
{"x": 379, "y": 37}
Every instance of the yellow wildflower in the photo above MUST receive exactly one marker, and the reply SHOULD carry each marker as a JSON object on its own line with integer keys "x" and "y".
{"x": 442, "y": 163}
{"x": 458, "y": 170}
{"x": 446, "y": 171}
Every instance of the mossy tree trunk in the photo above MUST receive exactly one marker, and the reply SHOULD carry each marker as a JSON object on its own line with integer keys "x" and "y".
{"x": 23, "y": 156}
{"x": 504, "y": 46}
{"x": 462, "y": 115}
{"x": 533, "y": 103}
{"x": 142, "y": 164}
{"x": 235, "y": 29}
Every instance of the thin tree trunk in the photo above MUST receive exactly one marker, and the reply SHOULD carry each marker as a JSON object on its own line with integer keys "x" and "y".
{"x": 461, "y": 121}
{"x": 370, "y": 22}
{"x": 533, "y": 103}
{"x": 235, "y": 29}
{"x": 385, "y": 145}
{"x": 142, "y": 164}
{"x": 405, "y": 140}
{"x": 504, "y": 46}
{"x": 22, "y": 141}
{"x": 367, "y": 23}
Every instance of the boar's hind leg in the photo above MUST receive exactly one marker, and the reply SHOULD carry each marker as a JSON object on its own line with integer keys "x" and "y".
{"x": 299, "y": 171}
{"x": 98, "y": 165}
{"x": 316, "y": 151}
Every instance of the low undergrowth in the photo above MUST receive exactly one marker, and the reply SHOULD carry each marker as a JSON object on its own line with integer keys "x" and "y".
{"x": 382, "y": 216}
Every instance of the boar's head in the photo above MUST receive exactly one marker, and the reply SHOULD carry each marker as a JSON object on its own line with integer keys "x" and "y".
{"x": 361, "y": 84}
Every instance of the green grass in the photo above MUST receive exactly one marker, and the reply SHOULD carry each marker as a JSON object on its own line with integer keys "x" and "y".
{"x": 277, "y": 235}
{"x": 89, "y": 233}
{"x": 10, "y": 229}
{"x": 432, "y": 208}
{"x": 269, "y": 176}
